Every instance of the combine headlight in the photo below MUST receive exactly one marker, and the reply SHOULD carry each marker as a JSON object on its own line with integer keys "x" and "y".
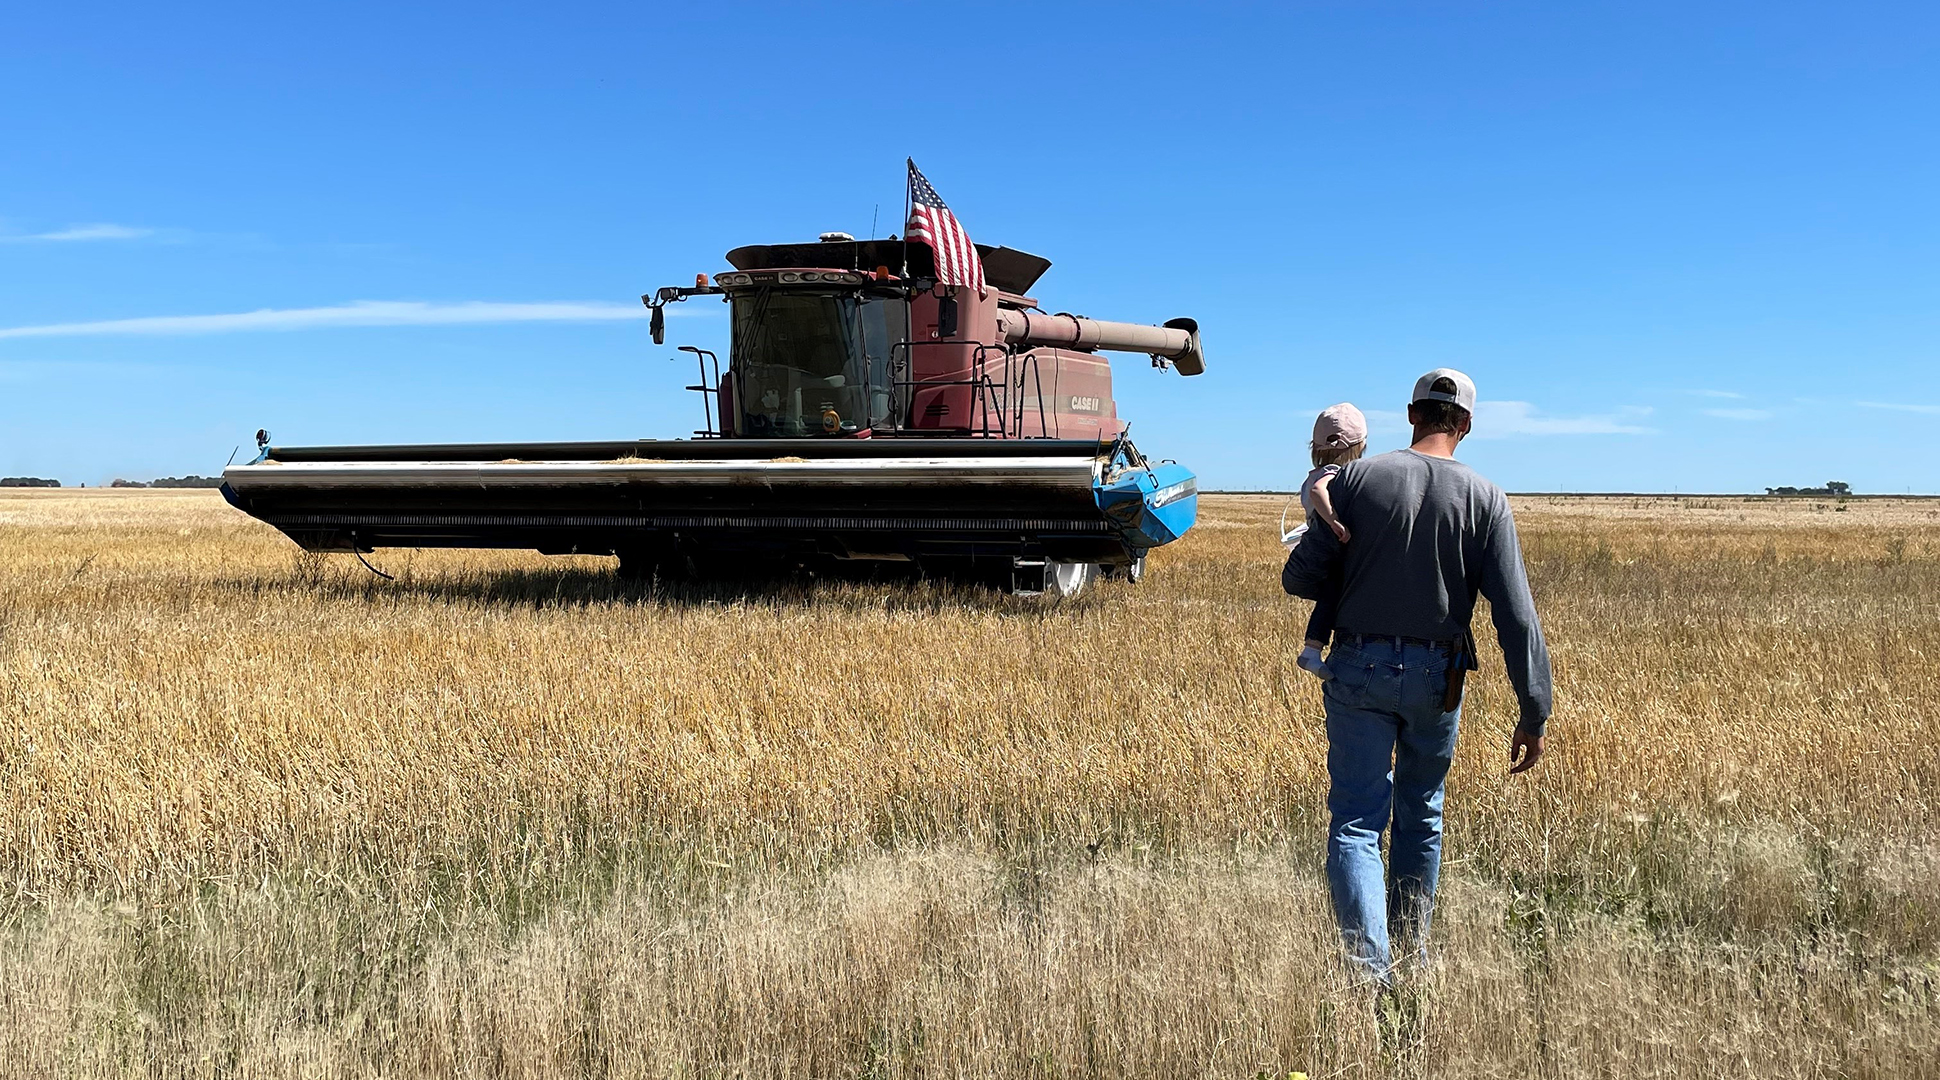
{"x": 789, "y": 277}
{"x": 733, "y": 279}
{"x": 811, "y": 276}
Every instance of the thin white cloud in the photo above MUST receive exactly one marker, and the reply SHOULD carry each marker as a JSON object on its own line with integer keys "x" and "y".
{"x": 97, "y": 231}
{"x": 1738, "y": 414}
{"x": 1929, "y": 410}
{"x": 1504, "y": 419}
{"x": 359, "y": 313}
{"x": 1733, "y": 394}
{"x": 1380, "y": 421}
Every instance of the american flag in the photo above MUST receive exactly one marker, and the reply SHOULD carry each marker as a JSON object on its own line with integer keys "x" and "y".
{"x": 930, "y": 222}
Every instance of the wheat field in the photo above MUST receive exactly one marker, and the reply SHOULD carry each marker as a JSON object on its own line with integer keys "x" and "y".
{"x": 265, "y": 814}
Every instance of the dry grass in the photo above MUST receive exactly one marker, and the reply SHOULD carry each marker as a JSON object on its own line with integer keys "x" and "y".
{"x": 264, "y": 814}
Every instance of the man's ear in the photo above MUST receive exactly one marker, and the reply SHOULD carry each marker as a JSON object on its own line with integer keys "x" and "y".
{"x": 1413, "y": 417}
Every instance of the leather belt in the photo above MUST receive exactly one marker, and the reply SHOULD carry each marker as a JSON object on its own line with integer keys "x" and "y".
{"x": 1349, "y": 637}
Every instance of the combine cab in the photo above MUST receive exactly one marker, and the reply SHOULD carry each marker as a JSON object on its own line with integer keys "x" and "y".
{"x": 863, "y": 417}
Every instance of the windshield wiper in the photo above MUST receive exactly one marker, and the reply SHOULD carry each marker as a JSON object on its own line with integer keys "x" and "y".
{"x": 758, "y": 323}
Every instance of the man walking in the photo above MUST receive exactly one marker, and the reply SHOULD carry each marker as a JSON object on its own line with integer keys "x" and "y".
{"x": 1426, "y": 534}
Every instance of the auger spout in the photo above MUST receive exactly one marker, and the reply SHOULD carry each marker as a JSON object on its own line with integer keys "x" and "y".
{"x": 1177, "y": 340}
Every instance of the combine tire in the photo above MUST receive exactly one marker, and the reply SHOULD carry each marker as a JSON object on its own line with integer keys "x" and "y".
{"x": 1067, "y": 579}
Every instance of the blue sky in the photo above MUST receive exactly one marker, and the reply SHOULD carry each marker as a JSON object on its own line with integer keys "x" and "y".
{"x": 1678, "y": 246}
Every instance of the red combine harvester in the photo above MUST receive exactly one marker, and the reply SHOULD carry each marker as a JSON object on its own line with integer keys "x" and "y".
{"x": 864, "y": 416}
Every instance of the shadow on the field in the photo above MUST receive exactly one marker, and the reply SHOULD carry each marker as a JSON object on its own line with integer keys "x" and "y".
{"x": 578, "y": 586}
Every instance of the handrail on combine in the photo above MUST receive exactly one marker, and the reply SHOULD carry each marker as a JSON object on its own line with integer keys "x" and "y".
{"x": 1008, "y": 406}
{"x": 983, "y": 391}
{"x": 1029, "y": 362}
{"x": 701, "y": 358}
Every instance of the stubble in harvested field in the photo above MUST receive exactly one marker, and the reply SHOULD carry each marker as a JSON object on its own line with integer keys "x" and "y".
{"x": 263, "y": 811}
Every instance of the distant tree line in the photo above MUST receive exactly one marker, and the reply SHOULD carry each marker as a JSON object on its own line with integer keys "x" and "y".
{"x": 27, "y": 481}
{"x": 190, "y": 481}
{"x": 1837, "y": 488}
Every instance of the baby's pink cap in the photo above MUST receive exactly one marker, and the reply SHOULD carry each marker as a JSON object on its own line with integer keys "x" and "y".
{"x": 1339, "y": 425}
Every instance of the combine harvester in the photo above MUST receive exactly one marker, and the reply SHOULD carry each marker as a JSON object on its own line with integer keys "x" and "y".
{"x": 864, "y": 417}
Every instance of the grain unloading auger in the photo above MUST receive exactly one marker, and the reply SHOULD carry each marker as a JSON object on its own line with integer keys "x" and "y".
{"x": 863, "y": 417}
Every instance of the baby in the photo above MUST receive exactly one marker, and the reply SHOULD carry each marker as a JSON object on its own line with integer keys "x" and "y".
{"x": 1340, "y": 436}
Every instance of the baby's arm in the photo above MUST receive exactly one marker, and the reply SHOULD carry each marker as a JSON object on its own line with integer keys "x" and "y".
{"x": 1323, "y": 503}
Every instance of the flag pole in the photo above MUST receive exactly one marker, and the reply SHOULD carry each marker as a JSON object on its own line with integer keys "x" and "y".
{"x": 910, "y": 170}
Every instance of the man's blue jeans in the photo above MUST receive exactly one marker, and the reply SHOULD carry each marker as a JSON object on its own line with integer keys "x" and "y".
{"x": 1389, "y": 745}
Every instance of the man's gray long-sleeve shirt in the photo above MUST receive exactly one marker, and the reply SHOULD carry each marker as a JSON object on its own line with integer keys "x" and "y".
{"x": 1427, "y": 534}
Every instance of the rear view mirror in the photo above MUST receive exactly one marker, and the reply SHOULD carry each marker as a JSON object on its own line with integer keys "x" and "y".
{"x": 658, "y": 325}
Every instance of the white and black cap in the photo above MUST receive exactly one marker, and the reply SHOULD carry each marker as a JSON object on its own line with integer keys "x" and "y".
{"x": 1463, "y": 392}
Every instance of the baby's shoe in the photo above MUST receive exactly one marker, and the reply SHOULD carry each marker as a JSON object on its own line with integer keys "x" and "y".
{"x": 1310, "y": 662}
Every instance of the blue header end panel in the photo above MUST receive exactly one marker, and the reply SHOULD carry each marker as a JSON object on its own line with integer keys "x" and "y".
{"x": 1151, "y": 506}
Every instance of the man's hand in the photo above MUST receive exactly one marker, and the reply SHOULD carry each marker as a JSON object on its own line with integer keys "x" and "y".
{"x": 1524, "y": 751}
{"x": 1323, "y": 502}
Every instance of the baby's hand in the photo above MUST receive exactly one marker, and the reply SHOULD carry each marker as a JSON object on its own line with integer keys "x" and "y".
{"x": 1324, "y": 507}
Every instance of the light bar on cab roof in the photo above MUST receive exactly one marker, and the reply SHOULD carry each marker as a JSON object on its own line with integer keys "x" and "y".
{"x": 794, "y": 277}
{"x": 806, "y": 277}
